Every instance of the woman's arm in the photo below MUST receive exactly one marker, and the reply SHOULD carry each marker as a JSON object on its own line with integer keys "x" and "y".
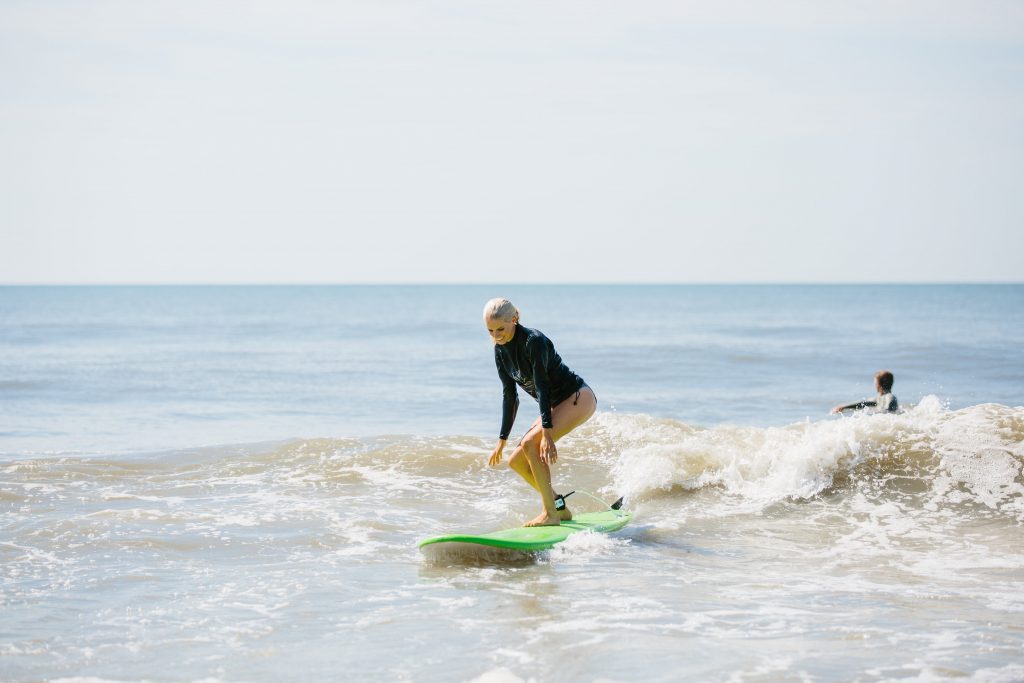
{"x": 539, "y": 353}
{"x": 509, "y": 400}
{"x": 509, "y": 408}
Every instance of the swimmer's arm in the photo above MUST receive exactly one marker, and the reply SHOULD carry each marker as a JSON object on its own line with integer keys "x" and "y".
{"x": 855, "y": 406}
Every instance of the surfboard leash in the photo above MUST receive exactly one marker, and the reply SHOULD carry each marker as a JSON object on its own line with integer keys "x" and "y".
{"x": 616, "y": 506}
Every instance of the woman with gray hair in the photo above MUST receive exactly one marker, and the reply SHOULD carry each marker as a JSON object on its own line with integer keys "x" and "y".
{"x": 527, "y": 358}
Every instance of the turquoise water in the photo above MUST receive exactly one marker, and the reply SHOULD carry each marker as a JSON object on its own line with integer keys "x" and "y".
{"x": 228, "y": 484}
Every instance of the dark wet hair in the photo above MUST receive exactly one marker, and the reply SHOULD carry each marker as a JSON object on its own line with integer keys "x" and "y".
{"x": 884, "y": 379}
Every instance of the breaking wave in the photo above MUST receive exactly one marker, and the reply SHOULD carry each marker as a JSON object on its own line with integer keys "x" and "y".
{"x": 974, "y": 455}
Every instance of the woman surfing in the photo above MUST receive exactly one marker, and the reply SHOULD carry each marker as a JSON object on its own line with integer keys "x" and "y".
{"x": 527, "y": 358}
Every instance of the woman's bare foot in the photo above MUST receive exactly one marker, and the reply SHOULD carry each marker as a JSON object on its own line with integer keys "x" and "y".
{"x": 564, "y": 515}
{"x": 543, "y": 519}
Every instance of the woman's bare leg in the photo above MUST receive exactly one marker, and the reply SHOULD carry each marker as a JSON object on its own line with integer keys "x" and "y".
{"x": 519, "y": 463}
{"x": 521, "y": 466}
{"x": 526, "y": 462}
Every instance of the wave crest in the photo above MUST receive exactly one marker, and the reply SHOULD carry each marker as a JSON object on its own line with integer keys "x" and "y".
{"x": 972, "y": 455}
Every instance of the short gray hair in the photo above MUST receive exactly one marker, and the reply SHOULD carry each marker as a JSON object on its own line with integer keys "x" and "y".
{"x": 500, "y": 309}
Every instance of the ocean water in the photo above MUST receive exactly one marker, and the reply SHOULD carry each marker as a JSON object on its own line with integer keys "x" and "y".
{"x": 228, "y": 484}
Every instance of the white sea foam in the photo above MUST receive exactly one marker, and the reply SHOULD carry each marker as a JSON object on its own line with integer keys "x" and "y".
{"x": 501, "y": 675}
{"x": 582, "y": 547}
{"x": 882, "y": 516}
{"x": 1013, "y": 673}
{"x": 979, "y": 449}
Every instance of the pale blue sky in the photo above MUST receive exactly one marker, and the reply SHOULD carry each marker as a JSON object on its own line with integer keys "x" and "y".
{"x": 586, "y": 141}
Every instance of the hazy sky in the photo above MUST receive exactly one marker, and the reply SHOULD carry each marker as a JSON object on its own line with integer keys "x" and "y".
{"x": 515, "y": 141}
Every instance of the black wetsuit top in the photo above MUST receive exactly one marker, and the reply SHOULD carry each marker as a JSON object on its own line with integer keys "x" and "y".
{"x": 529, "y": 359}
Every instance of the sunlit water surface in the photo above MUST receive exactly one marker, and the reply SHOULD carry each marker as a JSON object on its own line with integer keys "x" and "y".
{"x": 229, "y": 484}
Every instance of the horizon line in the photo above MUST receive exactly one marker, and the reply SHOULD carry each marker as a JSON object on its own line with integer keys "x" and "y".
{"x": 411, "y": 283}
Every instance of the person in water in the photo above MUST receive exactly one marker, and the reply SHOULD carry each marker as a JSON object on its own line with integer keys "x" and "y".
{"x": 528, "y": 359}
{"x": 886, "y": 401}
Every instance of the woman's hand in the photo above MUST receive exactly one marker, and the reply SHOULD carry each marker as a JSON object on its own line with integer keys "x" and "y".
{"x": 548, "y": 452}
{"x": 496, "y": 453}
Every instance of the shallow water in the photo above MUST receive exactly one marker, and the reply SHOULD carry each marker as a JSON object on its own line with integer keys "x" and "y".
{"x": 772, "y": 544}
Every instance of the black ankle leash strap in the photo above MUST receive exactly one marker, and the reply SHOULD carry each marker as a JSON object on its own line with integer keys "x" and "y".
{"x": 560, "y": 501}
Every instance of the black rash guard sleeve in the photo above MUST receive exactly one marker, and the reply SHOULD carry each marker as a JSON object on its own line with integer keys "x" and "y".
{"x": 509, "y": 399}
{"x": 539, "y": 354}
{"x": 859, "y": 405}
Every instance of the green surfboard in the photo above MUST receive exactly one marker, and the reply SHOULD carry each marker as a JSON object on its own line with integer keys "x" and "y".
{"x": 540, "y": 537}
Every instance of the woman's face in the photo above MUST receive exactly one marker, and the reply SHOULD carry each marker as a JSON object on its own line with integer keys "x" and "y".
{"x": 501, "y": 331}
